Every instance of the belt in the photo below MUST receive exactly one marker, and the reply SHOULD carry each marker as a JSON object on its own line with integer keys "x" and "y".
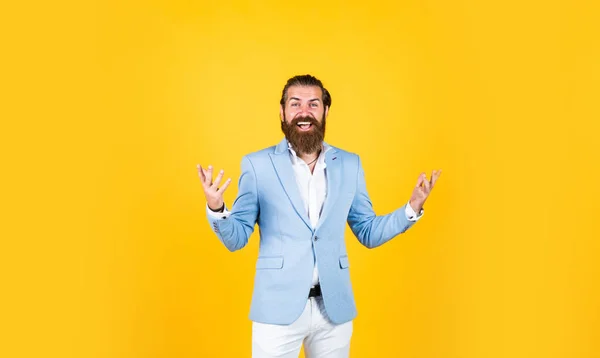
{"x": 315, "y": 291}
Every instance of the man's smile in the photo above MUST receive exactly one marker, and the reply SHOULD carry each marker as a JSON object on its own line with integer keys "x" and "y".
{"x": 304, "y": 126}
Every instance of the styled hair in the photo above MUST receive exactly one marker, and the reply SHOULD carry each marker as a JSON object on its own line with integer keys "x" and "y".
{"x": 305, "y": 80}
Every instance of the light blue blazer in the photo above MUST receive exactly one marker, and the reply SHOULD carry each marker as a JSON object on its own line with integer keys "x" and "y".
{"x": 269, "y": 195}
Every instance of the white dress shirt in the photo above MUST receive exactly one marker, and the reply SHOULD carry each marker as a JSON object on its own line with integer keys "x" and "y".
{"x": 313, "y": 190}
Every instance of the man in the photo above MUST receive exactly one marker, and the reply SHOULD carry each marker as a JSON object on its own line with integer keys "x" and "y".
{"x": 301, "y": 193}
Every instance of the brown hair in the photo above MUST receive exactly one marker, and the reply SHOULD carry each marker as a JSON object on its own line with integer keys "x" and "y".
{"x": 305, "y": 80}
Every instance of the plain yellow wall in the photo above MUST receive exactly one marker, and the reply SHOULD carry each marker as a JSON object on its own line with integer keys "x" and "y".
{"x": 108, "y": 107}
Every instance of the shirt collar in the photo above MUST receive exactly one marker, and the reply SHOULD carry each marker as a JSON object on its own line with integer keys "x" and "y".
{"x": 324, "y": 149}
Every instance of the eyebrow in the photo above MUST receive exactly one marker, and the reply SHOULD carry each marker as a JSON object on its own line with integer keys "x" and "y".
{"x": 310, "y": 100}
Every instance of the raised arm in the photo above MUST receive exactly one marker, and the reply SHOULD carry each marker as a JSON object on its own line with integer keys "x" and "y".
{"x": 372, "y": 230}
{"x": 235, "y": 227}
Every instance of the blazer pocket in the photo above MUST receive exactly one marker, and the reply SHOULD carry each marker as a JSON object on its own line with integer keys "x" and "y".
{"x": 273, "y": 262}
{"x": 344, "y": 262}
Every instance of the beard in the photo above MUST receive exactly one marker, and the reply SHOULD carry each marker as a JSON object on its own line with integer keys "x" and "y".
{"x": 307, "y": 142}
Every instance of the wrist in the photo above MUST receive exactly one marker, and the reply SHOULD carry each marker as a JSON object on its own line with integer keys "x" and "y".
{"x": 218, "y": 209}
{"x": 417, "y": 207}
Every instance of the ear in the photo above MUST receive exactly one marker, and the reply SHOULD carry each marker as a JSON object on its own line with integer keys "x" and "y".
{"x": 281, "y": 113}
{"x": 326, "y": 111}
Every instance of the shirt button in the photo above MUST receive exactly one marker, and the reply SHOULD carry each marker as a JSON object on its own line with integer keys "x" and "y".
{"x": 316, "y": 238}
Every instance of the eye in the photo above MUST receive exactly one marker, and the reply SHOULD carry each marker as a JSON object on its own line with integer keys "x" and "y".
{"x": 314, "y": 105}
{"x": 295, "y": 104}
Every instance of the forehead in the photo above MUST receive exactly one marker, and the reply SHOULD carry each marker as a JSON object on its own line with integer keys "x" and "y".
{"x": 304, "y": 92}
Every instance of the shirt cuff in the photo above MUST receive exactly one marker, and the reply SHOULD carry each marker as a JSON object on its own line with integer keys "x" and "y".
{"x": 216, "y": 215}
{"x": 411, "y": 215}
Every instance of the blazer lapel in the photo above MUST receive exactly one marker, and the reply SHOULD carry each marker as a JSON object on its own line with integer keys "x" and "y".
{"x": 333, "y": 170}
{"x": 283, "y": 167}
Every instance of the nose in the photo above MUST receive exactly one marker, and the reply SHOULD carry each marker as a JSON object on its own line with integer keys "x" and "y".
{"x": 305, "y": 108}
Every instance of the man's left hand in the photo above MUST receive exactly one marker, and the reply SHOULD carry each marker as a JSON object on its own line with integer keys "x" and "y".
{"x": 422, "y": 190}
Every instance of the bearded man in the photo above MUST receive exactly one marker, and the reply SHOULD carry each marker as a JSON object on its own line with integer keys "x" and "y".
{"x": 301, "y": 193}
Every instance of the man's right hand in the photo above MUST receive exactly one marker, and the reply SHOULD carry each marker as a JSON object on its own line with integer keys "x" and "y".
{"x": 214, "y": 194}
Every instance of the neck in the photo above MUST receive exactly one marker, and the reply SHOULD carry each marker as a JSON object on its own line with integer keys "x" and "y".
{"x": 309, "y": 158}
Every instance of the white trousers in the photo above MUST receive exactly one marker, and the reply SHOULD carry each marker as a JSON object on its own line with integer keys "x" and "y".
{"x": 321, "y": 338}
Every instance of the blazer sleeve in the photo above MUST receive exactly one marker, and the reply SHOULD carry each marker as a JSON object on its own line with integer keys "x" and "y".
{"x": 233, "y": 231}
{"x": 372, "y": 230}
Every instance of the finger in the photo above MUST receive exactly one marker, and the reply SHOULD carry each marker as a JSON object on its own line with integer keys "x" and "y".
{"x": 200, "y": 172}
{"x": 217, "y": 181}
{"x": 207, "y": 182}
{"x": 208, "y": 174}
{"x": 434, "y": 176}
{"x": 224, "y": 187}
{"x": 202, "y": 175}
{"x": 427, "y": 185}
{"x": 420, "y": 180}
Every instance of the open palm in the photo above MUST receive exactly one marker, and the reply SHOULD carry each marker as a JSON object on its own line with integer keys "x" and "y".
{"x": 423, "y": 189}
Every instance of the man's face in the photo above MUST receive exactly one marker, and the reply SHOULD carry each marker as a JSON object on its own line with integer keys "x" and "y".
{"x": 303, "y": 118}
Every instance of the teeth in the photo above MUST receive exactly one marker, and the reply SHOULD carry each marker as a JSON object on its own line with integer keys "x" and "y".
{"x": 303, "y": 123}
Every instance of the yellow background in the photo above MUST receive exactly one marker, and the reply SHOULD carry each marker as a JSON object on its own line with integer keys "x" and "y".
{"x": 108, "y": 106}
